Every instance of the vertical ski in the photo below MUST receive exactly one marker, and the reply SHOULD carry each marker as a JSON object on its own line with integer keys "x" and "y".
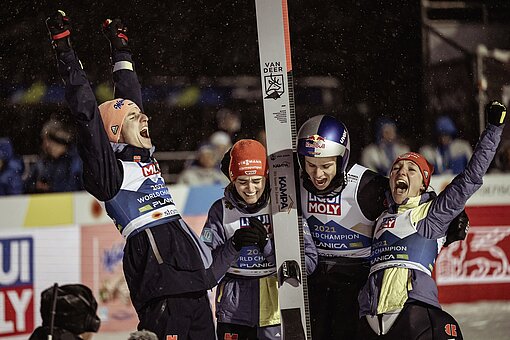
{"x": 280, "y": 124}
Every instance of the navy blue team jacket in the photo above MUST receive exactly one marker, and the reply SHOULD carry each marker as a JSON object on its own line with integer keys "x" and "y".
{"x": 182, "y": 271}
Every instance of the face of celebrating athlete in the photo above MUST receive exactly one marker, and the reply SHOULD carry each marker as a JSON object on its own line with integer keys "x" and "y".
{"x": 406, "y": 181}
{"x": 135, "y": 129}
{"x": 321, "y": 170}
{"x": 250, "y": 188}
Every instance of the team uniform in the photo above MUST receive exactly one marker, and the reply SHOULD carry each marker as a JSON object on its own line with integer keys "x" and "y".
{"x": 166, "y": 265}
{"x": 400, "y": 298}
{"x": 247, "y": 294}
{"x": 341, "y": 219}
{"x": 341, "y": 226}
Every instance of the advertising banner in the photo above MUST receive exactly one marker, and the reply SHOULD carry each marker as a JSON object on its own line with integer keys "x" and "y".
{"x": 478, "y": 268}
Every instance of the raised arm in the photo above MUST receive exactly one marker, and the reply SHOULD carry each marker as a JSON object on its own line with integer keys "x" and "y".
{"x": 101, "y": 175}
{"x": 125, "y": 79}
{"x": 452, "y": 199}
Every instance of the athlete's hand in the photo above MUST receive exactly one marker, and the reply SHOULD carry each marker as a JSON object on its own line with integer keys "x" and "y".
{"x": 495, "y": 112}
{"x": 458, "y": 229}
{"x": 244, "y": 237}
{"x": 116, "y": 33}
{"x": 59, "y": 27}
{"x": 257, "y": 225}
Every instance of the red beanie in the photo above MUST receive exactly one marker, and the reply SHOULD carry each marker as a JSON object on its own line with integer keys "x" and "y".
{"x": 113, "y": 113}
{"x": 426, "y": 168}
{"x": 247, "y": 158}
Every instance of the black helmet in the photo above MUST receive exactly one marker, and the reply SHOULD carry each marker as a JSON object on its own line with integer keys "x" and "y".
{"x": 75, "y": 308}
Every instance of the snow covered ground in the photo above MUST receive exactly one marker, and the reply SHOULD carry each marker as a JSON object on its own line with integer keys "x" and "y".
{"x": 481, "y": 320}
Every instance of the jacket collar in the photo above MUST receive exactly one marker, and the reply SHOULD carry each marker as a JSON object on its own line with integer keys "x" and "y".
{"x": 130, "y": 153}
{"x": 409, "y": 203}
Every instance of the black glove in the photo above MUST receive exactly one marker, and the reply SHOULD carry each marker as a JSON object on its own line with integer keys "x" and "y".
{"x": 495, "y": 112}
{"x": 245, "y": 237}
{"x": 257, "y": 225}
{"x": 458, "y": 229}
{"x": 115, "y": 31}
{"x": 59, "y": 27}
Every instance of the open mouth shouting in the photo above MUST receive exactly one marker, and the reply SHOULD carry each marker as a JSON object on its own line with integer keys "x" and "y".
{"x": 145, "y": 132}
{"x": 401, "y": 187}
{"x": 320, "y": 183}
{"x": 406, "y": 181}
{"x": 400, "y": 190}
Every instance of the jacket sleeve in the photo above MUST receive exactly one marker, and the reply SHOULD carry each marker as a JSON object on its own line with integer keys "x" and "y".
{"x": 450, "y": 202}
{"x": 372, "y": 194}
{"x": 214, "y": 236}
{"x": 125, "y": 78}
{"x": 311, "y": 256}
{"x": 102, "y": 176}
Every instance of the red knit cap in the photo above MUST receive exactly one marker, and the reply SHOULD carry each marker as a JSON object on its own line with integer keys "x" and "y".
{"x": 426, "y": 168}
{"x": 247, "y": 158}
{"x": 113, "y": 113}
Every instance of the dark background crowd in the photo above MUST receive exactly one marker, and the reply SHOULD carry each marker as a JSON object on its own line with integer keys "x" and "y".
{"x": 400, "y": 74}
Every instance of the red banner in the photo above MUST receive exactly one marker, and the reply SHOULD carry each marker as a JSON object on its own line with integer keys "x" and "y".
{"x": 478, "y": 268}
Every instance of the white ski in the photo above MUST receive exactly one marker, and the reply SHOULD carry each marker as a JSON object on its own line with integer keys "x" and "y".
{"x": 280, "y": 125}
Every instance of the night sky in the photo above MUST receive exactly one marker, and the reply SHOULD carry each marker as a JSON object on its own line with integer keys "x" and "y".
{"x": 372, "y": 47}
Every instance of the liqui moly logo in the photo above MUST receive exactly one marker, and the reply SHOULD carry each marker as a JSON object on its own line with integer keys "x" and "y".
{"x": 388, "y": 223}
{"x": 315, "y": 141}
{"x": 151, "y": 169}
{"x": 328, "y": 206}
{"x": 16, "y": 286}
{"x": 244, "y": 222}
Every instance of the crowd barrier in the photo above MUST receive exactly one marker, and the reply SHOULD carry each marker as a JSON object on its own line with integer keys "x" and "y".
{"x": 68, "y": 238}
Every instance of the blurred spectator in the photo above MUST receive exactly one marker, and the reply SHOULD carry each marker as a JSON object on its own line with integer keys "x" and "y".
{"x": 68, "y": 312}
{"x": 502, "y": 158}
{"x": 142, "y": 335}
{"x": 229, "y": 122}
{"x": 11, "y": 169}
{"x": 205, "y": 170}
{"x": 221, "y": 142}
{"x": 451, "y": 154}
{"x": 59, "y": 167}
{"x": 379, "y": 156}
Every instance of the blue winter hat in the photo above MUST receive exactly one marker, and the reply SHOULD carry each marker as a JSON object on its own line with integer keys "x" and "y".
{"x": 382, "y": 122}
{"x": 445, "y": 126}
{"x": 5, "y": 149}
